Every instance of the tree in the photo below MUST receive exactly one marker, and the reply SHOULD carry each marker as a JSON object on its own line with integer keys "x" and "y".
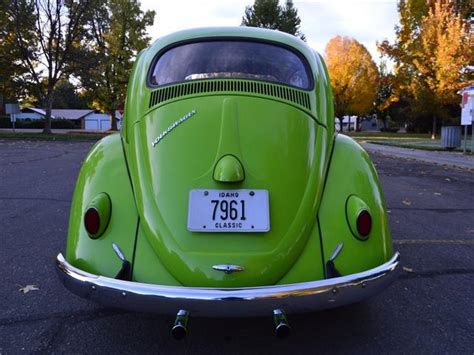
{"x": 268, "y": 14}
{"x": 67, "y": 97}
{"x": 290, "y": 21}
{"x": 45, "y": 33}
{"x": 431, "y": 53}
{"x": 353, "y": 76}
{"x": 385, "y": 95}
{"x": 117, "y": 31}
{"x": 464, "y": 8}
{"x": 11, "y": 69}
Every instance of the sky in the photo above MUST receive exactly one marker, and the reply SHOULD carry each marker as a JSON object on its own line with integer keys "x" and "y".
{"x": 367, "y": 21}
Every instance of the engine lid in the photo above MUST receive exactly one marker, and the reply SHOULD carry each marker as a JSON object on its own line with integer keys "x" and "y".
{"x": 227, "y": 142}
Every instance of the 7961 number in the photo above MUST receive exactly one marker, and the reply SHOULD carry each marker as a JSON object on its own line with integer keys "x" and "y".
{"x": 228, "y": 209}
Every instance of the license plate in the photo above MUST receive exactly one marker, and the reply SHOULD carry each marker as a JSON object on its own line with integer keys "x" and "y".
{"x": 228, "y": 211}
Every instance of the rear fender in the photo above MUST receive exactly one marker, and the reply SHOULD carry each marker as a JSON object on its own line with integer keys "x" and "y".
{"x": 103, "y": 171}
{"x": 352, "y": 173}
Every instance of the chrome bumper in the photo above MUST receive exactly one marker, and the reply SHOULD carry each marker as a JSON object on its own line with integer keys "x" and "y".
{"x": 222, "y": 302}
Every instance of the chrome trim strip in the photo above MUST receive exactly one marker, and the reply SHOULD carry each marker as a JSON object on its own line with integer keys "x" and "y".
{"x": 119, "y": 252}
{"x": 336, "y": 252}
{"x": 228, "y": 302}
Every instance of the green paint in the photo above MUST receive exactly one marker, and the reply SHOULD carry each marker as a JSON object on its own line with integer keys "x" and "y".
{"x": 103, "y": 171}
{"x": 229, "y": 169}
{"x": 352, "y": 173}
{"x": 235, "y": 140}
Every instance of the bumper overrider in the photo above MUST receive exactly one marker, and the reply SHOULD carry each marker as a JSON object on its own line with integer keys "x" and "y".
{"x": 228, "y": 302}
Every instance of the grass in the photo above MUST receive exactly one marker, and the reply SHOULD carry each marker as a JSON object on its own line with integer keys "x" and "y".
{"x": 412, "y": 146}
{"x": 53, "y": 137}
{"x": 387, "y": 135}
{"x": 404, "y": 140}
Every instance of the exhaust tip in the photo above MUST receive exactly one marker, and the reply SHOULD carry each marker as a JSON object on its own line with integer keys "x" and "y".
{"x": 282, "y": 328}
{"x": 178, "y": 332}
{"x": 180, "y": 326}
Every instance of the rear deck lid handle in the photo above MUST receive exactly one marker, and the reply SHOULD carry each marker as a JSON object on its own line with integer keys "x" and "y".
{"x": 229, "y": 169}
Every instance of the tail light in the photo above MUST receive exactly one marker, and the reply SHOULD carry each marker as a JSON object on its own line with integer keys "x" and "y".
{"x": 358, "y": 217}
{"x": 97, "y": 215}
{"x": 92, "y": 221}
{"x": 364, "y": 223}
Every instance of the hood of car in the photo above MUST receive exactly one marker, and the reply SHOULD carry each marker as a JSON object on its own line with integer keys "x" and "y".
{"x": 227, "y": 144}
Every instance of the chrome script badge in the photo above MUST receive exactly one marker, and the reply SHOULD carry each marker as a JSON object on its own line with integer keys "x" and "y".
{"x": 173, "y": 126}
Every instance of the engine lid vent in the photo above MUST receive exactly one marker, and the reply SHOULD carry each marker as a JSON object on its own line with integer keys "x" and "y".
{"x": 298, "y": 97}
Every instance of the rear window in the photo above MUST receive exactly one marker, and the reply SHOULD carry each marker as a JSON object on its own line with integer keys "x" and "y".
{"x": 231, "y": 59}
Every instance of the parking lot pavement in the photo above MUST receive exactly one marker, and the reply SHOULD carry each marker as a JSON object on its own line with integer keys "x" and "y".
{"x": 429, "y": 309}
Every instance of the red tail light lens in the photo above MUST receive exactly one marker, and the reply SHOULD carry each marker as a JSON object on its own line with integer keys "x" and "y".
{"x": 92, "y": 221}
{"x": 364, "y": 223}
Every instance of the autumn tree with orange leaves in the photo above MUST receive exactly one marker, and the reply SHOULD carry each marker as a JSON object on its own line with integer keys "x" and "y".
{"x": 432, "y": 56}
{"x": 353, "y": 75}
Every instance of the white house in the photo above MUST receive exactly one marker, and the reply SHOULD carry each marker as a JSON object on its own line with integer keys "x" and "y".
{"x": 348, "y": 123}
{"x": 90, "y": 119}
{"x": 30, "y": 114}
{"x": 97, "y": 122}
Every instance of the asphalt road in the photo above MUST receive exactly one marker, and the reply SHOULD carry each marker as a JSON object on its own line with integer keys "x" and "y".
{"x": 429, "y": 309}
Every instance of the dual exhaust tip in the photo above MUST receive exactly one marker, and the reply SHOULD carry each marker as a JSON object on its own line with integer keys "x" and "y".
{"x": 282, "y": 328}
{"x": 180, "y": 325}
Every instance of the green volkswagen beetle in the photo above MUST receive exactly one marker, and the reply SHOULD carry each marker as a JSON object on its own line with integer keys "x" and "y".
{"x": 228, "y": 192}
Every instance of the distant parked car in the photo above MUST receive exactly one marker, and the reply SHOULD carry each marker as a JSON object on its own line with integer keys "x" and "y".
{"x": 228, "y": 192}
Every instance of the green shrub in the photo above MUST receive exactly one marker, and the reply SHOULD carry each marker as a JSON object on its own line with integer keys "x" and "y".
{"x": 29, "y": 124}
{"x": 390, "y": 129}
{"x": 65, "y": 124}
{"x": 5, "y": 122}
{"x": 39, "y": 124}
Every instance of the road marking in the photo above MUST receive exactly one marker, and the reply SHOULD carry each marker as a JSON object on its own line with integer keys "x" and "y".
{"x": 434, "y": 241}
